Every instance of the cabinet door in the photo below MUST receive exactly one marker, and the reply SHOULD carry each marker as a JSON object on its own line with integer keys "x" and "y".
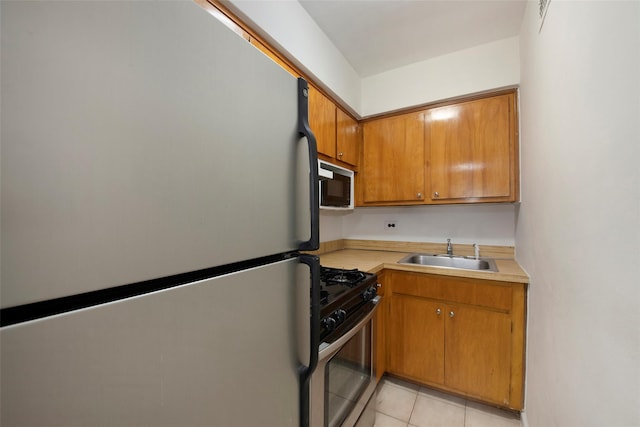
{"x": 393, "y": 159}
{"x": 472, "y": 150}
{"x": 416, "y": 337}
{"x": 346, "y": 138}
{"x": 478, "y": 349}
{"x": 322, "y": 119}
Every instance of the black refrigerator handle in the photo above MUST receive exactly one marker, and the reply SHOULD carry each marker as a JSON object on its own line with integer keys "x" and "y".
{"x": 305, "y": 372}
{"x": 303, "y": 128}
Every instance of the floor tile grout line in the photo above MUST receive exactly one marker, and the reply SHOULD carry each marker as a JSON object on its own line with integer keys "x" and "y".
{"x": 391, "y": 416}
{"x": 464, "y": 424}
{"x": 413, "y": 408}
{"x": 411, "y": 390}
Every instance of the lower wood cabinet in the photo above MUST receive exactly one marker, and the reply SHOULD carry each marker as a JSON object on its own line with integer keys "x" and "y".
{"x": 478, "y": 348}
{"x": 416, "y": 339}
{"x": 459, "y": 335}
{"x": 380, "y": 329}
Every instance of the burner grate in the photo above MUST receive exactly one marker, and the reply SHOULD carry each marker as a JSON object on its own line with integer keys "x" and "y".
{"x": 332, "y": 276}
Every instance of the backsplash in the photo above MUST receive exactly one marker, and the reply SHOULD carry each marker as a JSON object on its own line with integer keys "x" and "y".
{"x": 488, "y": 224}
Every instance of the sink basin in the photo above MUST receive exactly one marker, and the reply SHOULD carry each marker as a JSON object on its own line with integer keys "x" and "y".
{"x": 449, "y": 261}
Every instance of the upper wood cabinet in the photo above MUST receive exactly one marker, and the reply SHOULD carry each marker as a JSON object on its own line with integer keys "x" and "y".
{"x": 322, "y": 119}
{"x": 337, "y": 133}
{"x": 460, "y": 152}
{"x": 472, "y": 150}
{"x": 347, "y": 138}
{"x": 393, "y": 160}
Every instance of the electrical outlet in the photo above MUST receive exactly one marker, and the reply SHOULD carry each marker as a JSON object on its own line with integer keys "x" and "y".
{"x": 390, "y": 225}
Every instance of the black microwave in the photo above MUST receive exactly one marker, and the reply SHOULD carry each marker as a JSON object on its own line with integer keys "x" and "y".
{"x": 336, "y": 187}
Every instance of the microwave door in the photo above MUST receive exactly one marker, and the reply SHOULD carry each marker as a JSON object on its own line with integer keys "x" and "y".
{"x": 336, "y": 192}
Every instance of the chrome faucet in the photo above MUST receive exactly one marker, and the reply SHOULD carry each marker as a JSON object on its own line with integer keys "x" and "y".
{"x": 449, "y": 247}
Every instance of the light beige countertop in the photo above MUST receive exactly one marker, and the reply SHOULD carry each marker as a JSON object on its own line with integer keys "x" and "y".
{"x": 376, "y": 260}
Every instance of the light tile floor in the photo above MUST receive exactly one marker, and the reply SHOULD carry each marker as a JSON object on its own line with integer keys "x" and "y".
{"x": 402, "y": 404}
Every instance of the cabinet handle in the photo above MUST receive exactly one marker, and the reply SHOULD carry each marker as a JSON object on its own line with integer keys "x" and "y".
{"x": 419, "y": 195}
{"x": 438, "y": 311}
{"x": 436, "y": 194}
{"x": 451, "y": 314}
{"x": 339, "y": 154}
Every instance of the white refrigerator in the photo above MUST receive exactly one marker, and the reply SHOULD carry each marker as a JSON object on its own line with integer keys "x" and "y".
{"x": 158, "y": 178}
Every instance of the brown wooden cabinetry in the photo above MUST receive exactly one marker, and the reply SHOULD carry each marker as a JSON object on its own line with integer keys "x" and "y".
{"x": 478, "y": 348}
{"x": 380, "y": 325}
{"x": 393, "y": 160}
{"x": 472, "y": 150}
{"x": 460, "y": 335}
{"x": 322, "y": 119}
{"x": 347, "y": 138}
{"x": 416, "y": 339}
{"x": 457, "y": 152}
{"x": 337, "y": 133}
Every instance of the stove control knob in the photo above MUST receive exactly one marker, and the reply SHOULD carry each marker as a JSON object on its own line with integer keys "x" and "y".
{"x": 329, "y": 324}
{"x": 369, "y": 294}
{"x": 340, "y": 315}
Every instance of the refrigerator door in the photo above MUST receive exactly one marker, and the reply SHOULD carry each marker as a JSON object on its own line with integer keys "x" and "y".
{"x": 219, "y": 352}
{"x": 140, "y": 140}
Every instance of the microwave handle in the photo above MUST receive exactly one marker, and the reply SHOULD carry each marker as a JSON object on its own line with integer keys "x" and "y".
{"x": 303, "y": 128}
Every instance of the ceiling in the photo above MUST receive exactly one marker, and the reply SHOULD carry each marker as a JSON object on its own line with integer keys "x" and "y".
{"x": 380, "y": 35}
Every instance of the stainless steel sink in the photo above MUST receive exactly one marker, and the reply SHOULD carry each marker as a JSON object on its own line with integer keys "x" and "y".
{"x": 450, "y": 261}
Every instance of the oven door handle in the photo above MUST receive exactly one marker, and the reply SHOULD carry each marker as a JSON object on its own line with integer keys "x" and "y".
{"x": 332, "y": 348}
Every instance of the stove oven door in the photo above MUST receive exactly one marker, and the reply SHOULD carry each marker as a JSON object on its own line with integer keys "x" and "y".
{"x": 344, "y": 380}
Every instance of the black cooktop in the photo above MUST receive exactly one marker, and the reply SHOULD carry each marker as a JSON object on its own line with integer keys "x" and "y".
{"x": 338, "y": 283}
{"x": 343, "y": 295}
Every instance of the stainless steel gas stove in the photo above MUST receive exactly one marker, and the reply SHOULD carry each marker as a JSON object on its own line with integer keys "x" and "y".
{"x": 344, "y": 380}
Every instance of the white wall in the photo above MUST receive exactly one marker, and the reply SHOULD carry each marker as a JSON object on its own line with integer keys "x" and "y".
{"x": 489, "y": 224}
{"x": 478, "y": 69}
{"x": 331, "y": 224}
{"x": 578, "y": 227}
